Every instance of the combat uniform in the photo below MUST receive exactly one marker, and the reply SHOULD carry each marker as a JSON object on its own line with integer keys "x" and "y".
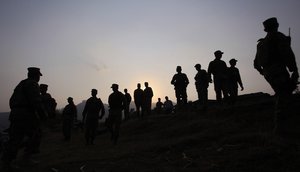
{"x": 90, "y": 115}
{"x": 26, "y": 112}
{"x": 274, "y": 55}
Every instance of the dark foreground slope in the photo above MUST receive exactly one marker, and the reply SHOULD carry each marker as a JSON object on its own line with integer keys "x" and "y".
{"x": 222, "y": 139}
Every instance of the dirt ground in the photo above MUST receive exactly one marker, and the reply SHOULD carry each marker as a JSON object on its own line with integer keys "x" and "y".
{"x": 236, "y": 138}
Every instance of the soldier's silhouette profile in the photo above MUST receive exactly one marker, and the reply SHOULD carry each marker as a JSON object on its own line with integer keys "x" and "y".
{"x": 127, "y": 106}
{"x": 68, "y": 115}
{"x": 159, "y": 106}
{"x": 48, "y": 101}
{"x": 234, "y": 79}
{"x": 139, "y": 100}
{"x": 116, "y": 102}
{"x": 273, "y": 57}
{"x": 201, "y": 83}
{"x": 26, "y": 112}
{"x": 180, "y": 82}
{"x": 90, "y": 115}
{"x": 218, "y": 69}
{"x": 148, "y": 94}
{"x": 168, "y": 105}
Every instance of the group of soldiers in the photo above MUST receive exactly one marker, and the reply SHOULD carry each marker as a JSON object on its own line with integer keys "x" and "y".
{"x": 225, "y": 79}
{"x": 274, "y": 56}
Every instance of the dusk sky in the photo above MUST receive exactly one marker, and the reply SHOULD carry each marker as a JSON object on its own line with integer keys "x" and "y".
{"x": 80, "y": 45}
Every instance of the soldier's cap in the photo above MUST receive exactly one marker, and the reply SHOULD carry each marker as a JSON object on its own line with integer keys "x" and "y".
{"x": 114, "y": 86}
{"x": 232, "y": 61}
{"x": 43, "y": 86}
{"x": 34, "y": 70}
{"x": 218, "y": 52}
{"x": 94, "y": 90}
{"x": 70, "y": 98}
{"x": 197, "y": 65}
{"x": 270, "y": 23}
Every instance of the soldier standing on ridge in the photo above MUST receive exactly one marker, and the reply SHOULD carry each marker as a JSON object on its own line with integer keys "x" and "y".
{"x": 180, "y": 82}
{"x": 68, "y": 115}
{"x": 139, "y": 100}
{"x": 218, "y": 68}
{"x": 201, "y": 83}
{"x": 127, "y": 106}
{"x": 274, "y": 55}
{"x": 234, "y": 79}
{"x": 148, "y": 94}
{"x": 26, "y": 112}
{"x": 159, "y": 106}
{"x": 116, "y": 102}
{"x": 48, "y": 101}
{"x": 90, "y": 115}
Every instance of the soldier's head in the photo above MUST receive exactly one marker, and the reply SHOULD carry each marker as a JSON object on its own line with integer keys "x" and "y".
{"x": 271, "y": 25}
{"x": 125, "y": 90}
{"x": 159, "y": 99}
{"x": 70, "y": 100}
{"x": 198, "y": 67}
{"x": 167, "y": 98}
{"x": 178, "y": 69}
{"x": 34, "y": 73}
{"x": 218, "y": 54}
{"x": 138, "y": 85}
{"x": 146, "y": 84}
{"x": 115, "y": 87}
{"x": 94, "y": 92}
{"x": 232, "y": 62}
{"x": 43, "y": 88}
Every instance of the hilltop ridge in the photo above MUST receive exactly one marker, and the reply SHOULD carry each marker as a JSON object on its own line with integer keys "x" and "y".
{"x": 237, "y": 138}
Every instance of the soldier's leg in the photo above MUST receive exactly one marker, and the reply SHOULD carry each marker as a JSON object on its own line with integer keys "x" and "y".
{"x": 184, "y": 96}
{"x": 117, "y": 127}
{"x": 281, "y": 105}
{"x": 16, "y": 136}
{"x": 178, "y": 97}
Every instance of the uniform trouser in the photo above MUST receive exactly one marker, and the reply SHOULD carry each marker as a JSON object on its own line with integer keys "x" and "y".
{"x": 139, "y": 108}
{"x": 114, "y": 123}
{"x": 220, "y": 87}
{"x": 202, "y": 96}
{"x": 90, "y": 130}
{"x": 17, "y": 132}
{"x": 281, "y": 84}
{"x": 233, "y": 93}
{"x": 147, "y": 107}
{"x": 181, "y": 96}
{"x": 67, "y": 128}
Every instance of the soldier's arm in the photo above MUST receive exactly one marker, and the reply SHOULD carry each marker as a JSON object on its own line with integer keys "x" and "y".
{"x": 240, "y": 80}
{"x": 173, "y": 80}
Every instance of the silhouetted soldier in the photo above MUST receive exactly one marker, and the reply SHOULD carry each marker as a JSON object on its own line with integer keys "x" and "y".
{"x": 234, "y": 79}
{"x": 26, "y": 112}
{"x": 117, "y": 102}
{"x": 180, "y": 82}
{"x": 139, "y": 100}
{"x": 274, "y": 55}
{"x": 201, "y": 83}
{"x": 90, "y": 115}
{"x": 168, "y": 106}
{"x": 218, "y": 68}
{"x": 127, "y": 106}
{"x": 148, "y": 94}
{"x": 158, "y": 106}
{"x": 68, "y": 116}
{"x": 48, "y": 101}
